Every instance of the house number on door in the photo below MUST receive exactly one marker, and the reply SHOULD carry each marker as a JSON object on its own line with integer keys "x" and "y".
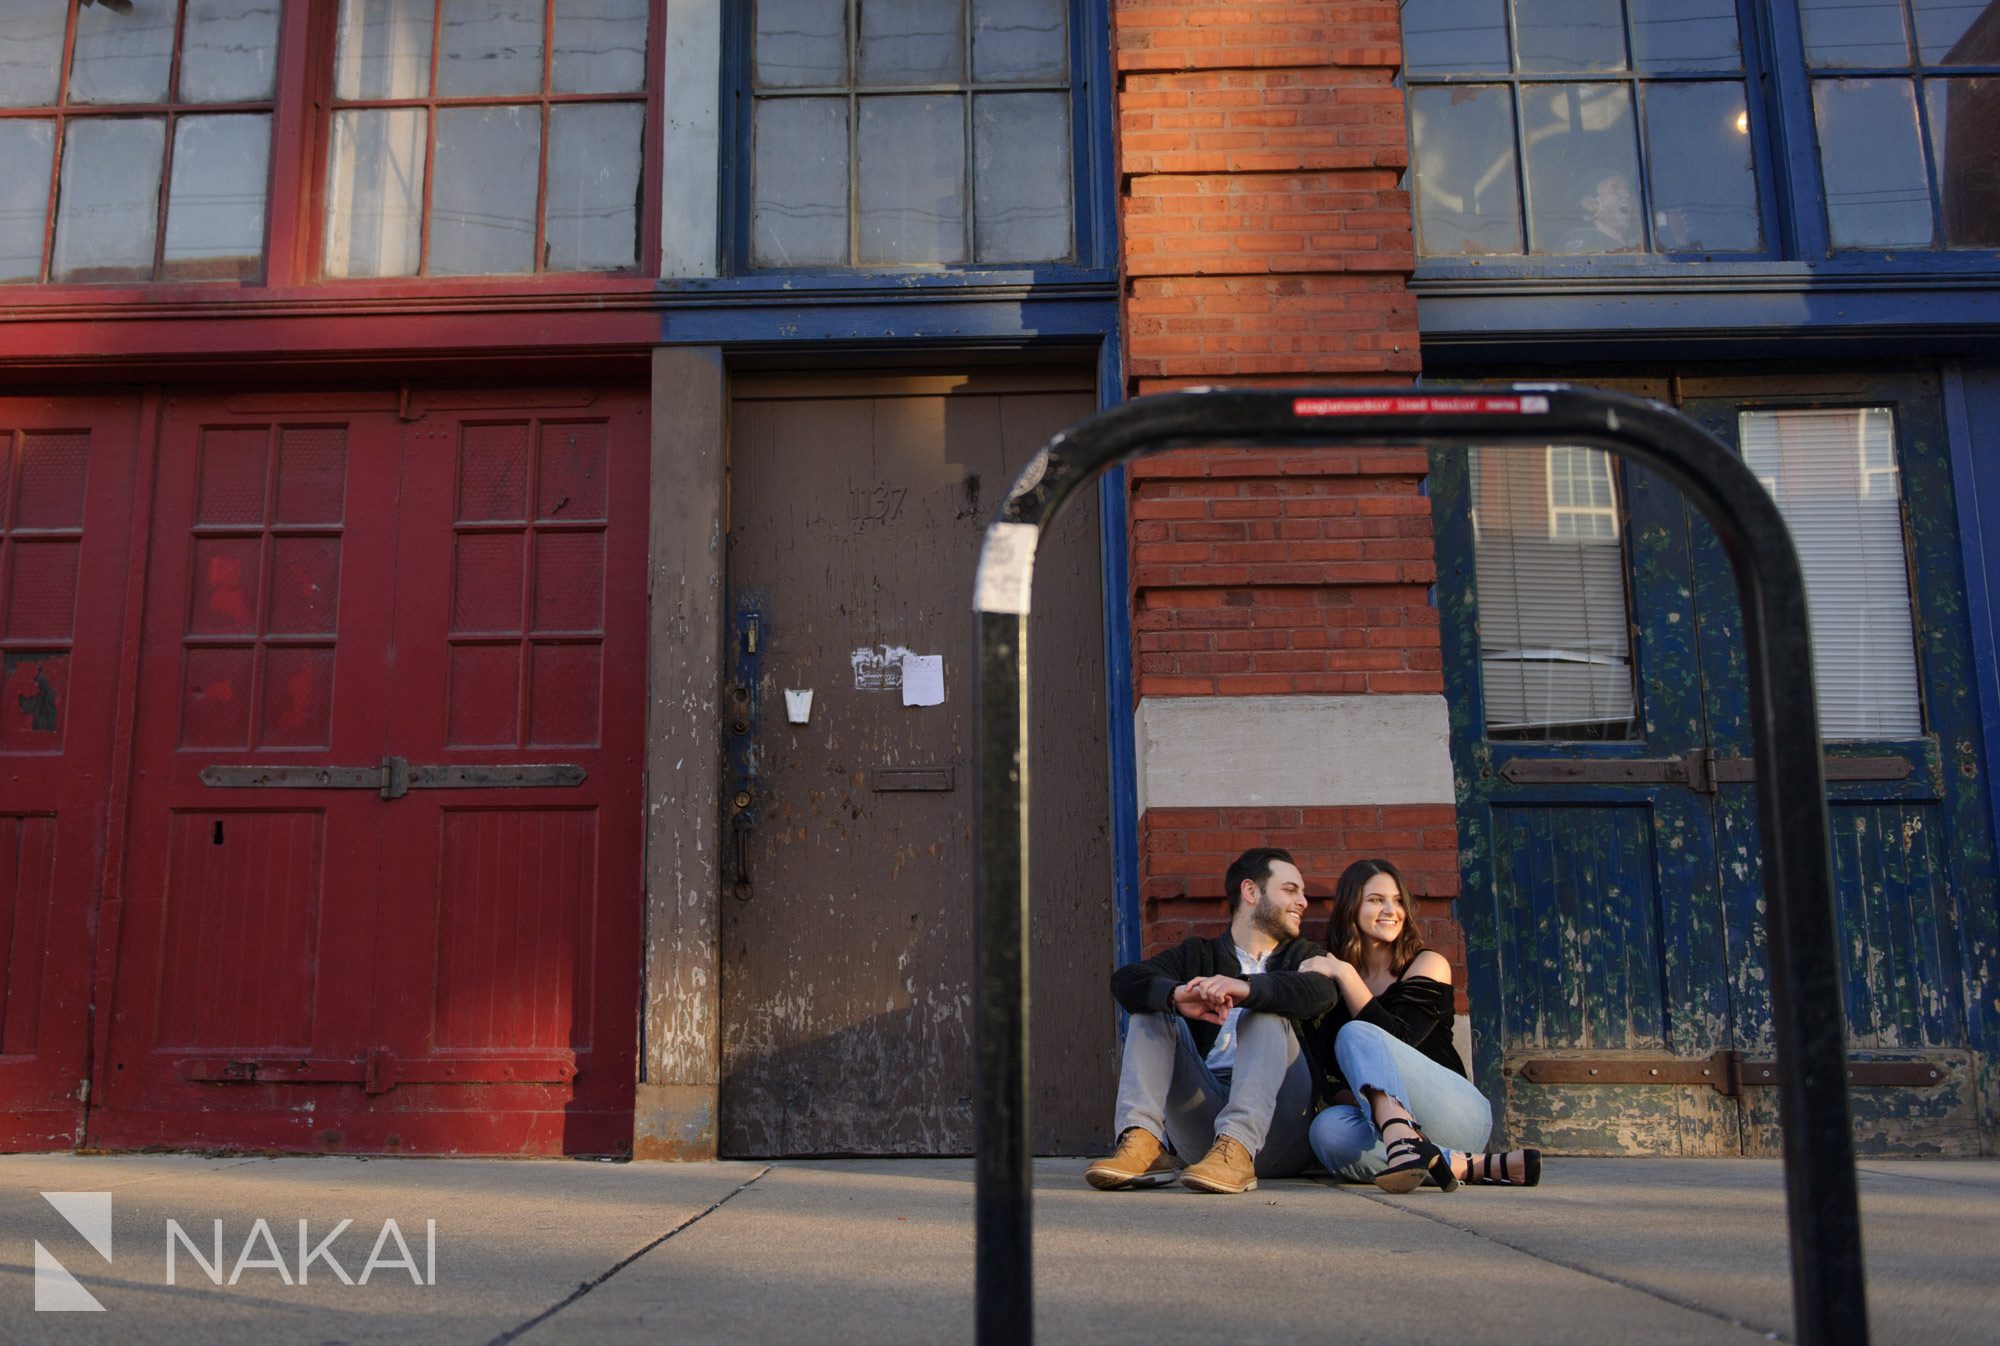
{"x": 875, "y": 504}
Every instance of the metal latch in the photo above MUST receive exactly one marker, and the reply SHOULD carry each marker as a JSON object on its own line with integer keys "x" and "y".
{"x": 395, "y": 777}
{"x": 1727, "y": 1072}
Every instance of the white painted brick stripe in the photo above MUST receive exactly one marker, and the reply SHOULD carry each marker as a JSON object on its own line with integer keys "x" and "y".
{"x": 1292, "y": 751}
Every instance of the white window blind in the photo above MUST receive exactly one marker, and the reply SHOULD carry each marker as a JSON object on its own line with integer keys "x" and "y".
{"x": 1554, "y": 630}
{"x": 1835, "y": 477}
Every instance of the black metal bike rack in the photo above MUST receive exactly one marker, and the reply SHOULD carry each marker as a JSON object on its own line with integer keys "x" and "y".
{"x": 1828, "y": 1298}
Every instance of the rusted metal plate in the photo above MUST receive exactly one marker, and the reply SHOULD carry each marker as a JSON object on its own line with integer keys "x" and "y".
{"x": 396, "y": 777}
{"x": 1727, "y": 1072}
{"x": 1698, "y": 770}
{"x": 855, "y": 513}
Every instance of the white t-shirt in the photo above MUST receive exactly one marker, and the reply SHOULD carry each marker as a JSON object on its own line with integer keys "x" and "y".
{"x": 1222, "y": 1056}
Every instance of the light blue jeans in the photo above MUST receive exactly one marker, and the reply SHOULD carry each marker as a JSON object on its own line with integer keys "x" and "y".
{"x": 1165, "y": 1086}
{"x": 1452, "y": 1114}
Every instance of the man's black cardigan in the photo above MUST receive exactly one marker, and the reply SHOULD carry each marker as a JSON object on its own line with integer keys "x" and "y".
{"x": 1147, "y": 987}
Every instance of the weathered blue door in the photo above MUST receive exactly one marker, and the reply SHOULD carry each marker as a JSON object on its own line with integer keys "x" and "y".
{"x": 1613, "y": 895}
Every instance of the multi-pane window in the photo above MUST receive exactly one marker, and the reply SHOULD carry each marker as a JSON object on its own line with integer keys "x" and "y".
{"x": 1580, "y": 127}
{"x": 1581, "y": 500}
{"x": 910, "y": 132}
{"x": 1906, "y": 101}
{"x": 136, "y": 139}
{"x": 485, "y": 137}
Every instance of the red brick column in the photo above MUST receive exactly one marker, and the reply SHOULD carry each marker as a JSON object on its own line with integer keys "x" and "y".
{"x": 1267, "y": 240}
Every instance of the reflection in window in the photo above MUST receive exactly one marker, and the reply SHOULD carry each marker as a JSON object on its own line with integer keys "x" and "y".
{"x": 1834, "y": 476}
{"x": 1554, "y": 626}
{"x": 1602, "y": 127}
{"x": 534, "y": 163}
{"x": 910, "y": 133}
{"x": 1909, "y": 149}
{"x": 154, "y": 91}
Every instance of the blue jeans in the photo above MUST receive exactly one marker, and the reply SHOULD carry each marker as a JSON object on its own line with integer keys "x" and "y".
{"x": 1166, "y": 1087}
{"x": 1452, "y": 1114}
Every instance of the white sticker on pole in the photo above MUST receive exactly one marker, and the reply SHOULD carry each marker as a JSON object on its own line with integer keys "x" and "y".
{"x": 1006, "y": 569}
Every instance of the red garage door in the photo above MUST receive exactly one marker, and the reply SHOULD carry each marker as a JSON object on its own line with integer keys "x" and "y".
{"x": 65, "y": 498}
{"x": 384, "y": 887}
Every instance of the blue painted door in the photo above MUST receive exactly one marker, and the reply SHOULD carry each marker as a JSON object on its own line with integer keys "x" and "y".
{"x": 1613, "y": 896}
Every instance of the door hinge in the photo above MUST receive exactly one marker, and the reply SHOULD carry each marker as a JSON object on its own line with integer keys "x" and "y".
{"x": 1728, "y": 1072}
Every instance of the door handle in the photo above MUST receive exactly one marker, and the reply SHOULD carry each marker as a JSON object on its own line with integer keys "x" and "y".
{"x": 740, "y": 825}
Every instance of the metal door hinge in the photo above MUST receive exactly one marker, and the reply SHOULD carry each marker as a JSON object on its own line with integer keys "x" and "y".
{"x": 1727, "y": 1072}
{"x": 395, "y": 777}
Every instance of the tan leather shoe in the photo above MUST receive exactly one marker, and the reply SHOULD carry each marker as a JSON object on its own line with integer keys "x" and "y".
{"x": 1227, "y": 1167}
{"x": 1139, "y": 1162}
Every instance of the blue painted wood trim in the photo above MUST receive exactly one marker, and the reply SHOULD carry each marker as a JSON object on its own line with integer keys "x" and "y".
{"x": 1971, "y": 410}
{"x": 782, "y": 321}
{"x": 1127, "y": 939}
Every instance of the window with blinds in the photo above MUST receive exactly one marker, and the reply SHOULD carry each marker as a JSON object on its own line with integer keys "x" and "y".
{"x": 1835, "y": 477}
{"x": 1554, "y": 622}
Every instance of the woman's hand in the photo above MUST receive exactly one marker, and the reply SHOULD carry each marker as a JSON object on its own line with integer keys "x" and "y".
{"x": 1326, "y": 965}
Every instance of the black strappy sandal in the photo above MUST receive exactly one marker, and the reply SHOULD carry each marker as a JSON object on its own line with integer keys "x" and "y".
{"x": 1412, "y": 1158}
{"x": 1490, "y": 1169}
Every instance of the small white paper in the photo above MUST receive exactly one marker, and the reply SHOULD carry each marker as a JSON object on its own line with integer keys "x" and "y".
{"x": 923, "y": 679}
{"x": 798, "y": 704}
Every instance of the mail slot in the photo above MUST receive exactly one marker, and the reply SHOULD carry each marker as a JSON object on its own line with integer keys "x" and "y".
{"x": 888, "y": 778}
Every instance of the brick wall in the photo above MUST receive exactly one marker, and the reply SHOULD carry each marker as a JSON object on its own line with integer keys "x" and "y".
{"x": 1267, "y": 240}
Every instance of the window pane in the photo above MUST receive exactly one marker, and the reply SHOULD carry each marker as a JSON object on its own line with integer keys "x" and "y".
{"x": 375, "y": 192}
{"x": 122, "y": 55}
{"x": 600, "y": 46}
{"x": 1698, "y": 160}
{"x": 594, "y": 153}
{"x": 1967, "y": 154}
{"x": 1020, "y": 153}
{"x": 801, "y": 43}
{"x": 1554, "y": 630}
{"x": 1834, "y": 476}
{"x": 229, "y": 50}
{"x": 1020, "y": 40}
{"x": 483, "y": 198}
{"x": 911, "y": 42}
{"x": 1467, "y": 202}
{"x": 798, "y": 215}
{"x": 384, "y": 49}
{"x": 912, "y": 179}
{"x": 1958, "y": 32}
{"x": 1466, "y": 37}
{"x": 1562, "y": 35}
{"x": 1583, "y": 162}
{"x": 31, "y": 43}
{"x": 1877, "y": 192}
{"x": 27, "y": 148}
{"x": 1685, "y": 35}
{"x": 215, "y": 202}
{"x": 489, "y": 46}
{"x": 108, "y": 214}
{"x": 1852, "y": 33}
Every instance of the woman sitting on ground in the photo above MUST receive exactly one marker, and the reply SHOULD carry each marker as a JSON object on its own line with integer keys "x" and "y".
{"x": 1403, "y": 1110}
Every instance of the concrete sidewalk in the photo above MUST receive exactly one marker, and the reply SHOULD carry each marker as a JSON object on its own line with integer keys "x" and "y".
{"x": 876, "y": 1251}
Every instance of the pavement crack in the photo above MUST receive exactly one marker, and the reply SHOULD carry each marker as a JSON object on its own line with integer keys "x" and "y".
{"x": 1650, "y": 1291}
{"x": 514, "y": 1333}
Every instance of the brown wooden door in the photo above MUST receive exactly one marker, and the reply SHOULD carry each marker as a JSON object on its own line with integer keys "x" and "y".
{"x": 382, "y": 891}
{"x": 856, "y": 511}
{"x": 65, "y": 500}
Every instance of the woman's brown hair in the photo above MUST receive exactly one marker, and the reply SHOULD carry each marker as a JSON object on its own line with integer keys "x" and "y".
{"x": 1343, "y": 930}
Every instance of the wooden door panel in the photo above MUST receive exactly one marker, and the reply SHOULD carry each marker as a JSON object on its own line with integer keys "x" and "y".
{"x": 66, "y": 469}
{"x": 847, "y": 957}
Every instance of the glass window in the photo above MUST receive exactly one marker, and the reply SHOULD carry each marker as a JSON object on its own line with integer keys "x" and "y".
{"x": 1554, "y": 624}
{"x": 1834, "y": 476}
{"x": 511, "y": 142}
{"x": 173, "y": 92}
{"x": 1908, "y": 149}
{"x": 910, "y": 133}
{"x": 1589, "y": 127}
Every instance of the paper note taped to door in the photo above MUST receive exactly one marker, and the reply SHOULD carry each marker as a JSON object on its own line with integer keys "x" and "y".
{"x": 798, "y": 705}
{"x": 1006, "y": 568}
{"x": 923, "y": 679}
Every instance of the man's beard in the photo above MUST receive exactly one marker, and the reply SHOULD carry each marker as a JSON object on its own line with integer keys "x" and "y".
{"x": 1272, "y": 920}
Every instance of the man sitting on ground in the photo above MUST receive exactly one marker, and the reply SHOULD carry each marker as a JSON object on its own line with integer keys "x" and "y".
{"x": 1212, "y": 1057}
